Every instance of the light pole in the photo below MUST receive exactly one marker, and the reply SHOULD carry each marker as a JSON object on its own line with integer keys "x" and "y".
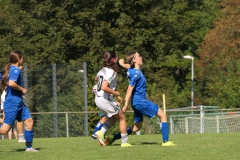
{"x": 192, "y": 91}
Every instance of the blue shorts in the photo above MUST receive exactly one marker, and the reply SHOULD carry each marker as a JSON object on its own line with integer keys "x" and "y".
{"x": 144, "y": 108}
{"x": 19, "y": 115}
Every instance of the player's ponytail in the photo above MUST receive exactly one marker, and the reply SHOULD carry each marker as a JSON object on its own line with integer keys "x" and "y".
{"x": 4, "y": 80}
{"x": 108, "y": 60}
{"x": 130, "y": 58}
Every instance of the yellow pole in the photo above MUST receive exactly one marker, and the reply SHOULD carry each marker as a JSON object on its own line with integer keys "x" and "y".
{"x": 164, "y": 104}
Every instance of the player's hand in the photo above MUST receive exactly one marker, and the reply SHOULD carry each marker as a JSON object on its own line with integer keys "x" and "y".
{"x": 121, "y": 61}
{"x": 117, "y": 93}
{"x": 120, "y": 99}
{"x": 124, "y": 109}
{"x": 24, "y": 91}
{"x": 119, "y": 104}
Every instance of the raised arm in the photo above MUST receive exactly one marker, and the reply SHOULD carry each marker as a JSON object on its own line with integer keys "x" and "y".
{"x": 124, "y": 65}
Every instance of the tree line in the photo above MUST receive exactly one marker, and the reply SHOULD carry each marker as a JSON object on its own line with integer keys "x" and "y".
{"x": 76, "y": 31}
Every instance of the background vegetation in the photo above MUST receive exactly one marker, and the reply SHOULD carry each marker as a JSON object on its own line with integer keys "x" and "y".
{"x": 76, "y": 31}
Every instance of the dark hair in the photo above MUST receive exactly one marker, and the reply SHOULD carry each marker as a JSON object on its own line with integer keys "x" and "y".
{"x": 107, "y": 60}
{"x": 130, "y": 57}
{"x": 1, "y": 75}
{"x": 13, "y": 59}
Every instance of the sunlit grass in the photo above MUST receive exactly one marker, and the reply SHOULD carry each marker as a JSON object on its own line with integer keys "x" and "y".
{"x": 145, "y": 147}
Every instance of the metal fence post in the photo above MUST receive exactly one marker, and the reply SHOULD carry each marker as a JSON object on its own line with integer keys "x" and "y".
{"x": 85, "y": 98}
{"x": 25, "y": 79}
{"x": 54, "y": 72}
{"x": 67, "y": 124}
{"x": 201, "y": 119}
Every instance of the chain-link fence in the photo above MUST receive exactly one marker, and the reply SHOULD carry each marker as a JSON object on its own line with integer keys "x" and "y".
{"x": 56, "y": 88}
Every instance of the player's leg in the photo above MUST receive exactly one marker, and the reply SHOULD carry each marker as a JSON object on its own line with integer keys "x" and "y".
{"x": 100, "y": 134}
{"x": 164, "y": 129}
{"x": 109, "y": 108}
{"x": 1, "y": 120}
{"x": 103, "y": 119}
{"x": 10, "y": 133}
{"x": 24, "y": 115}
{"x": 123, "y": 129}
{"x": 138, "y": 119}
{"x": 8, "y": 121}
{"x": 20, "y": 131}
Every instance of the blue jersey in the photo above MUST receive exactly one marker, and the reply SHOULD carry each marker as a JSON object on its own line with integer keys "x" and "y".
{"x": 14, "y": 97}
{"x": 138, "y": 81}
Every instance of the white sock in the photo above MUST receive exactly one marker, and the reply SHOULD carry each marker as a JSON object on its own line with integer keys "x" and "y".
{"x": 124, "y": 138}
{"x": 105, "y": 127}
{"x": 21, "y": 136}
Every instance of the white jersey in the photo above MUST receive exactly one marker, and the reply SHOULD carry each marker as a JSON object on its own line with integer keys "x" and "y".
{"x": 3, "y": 99}
{"x": 94, "y": 90}
{"x": 109, "y": 75}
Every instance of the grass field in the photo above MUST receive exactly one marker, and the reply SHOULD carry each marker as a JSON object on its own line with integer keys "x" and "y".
{"x": 221, "y": 146}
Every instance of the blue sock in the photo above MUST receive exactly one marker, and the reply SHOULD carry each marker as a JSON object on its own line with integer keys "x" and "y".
{"x": 97, "y": 128}
{"x": 118, "y": 135}
{"x": 29, "y": 138}
{"x": 165, "y": 131}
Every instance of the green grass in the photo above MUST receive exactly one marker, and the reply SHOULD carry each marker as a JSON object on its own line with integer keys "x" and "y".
{"x": 145, "y": 147}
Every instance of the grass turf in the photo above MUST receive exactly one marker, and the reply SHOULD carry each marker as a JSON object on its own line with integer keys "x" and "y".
{"x": 145, "y": 147}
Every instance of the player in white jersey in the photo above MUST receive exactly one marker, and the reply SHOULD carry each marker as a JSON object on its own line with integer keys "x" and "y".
{"x": 107, "y": 82}
{"x": 103, "y": 117}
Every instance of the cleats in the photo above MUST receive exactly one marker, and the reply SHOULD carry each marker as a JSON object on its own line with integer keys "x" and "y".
{"x": 31, "y": 150}
{"x": 168, "y": 143}
{"x": 100, "y": 138}
{"x": 126, "y": 145}
{"x": 93, "y": 137}
{"x": 109, "y": 140}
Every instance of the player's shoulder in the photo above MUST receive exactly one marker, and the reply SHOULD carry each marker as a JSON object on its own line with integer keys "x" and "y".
{"x": 134, "y": 71}
{"x": 14, "y": 69}
{"x": 109, "y": 71}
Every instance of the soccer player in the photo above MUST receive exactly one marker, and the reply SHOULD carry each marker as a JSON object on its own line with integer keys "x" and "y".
{"x": 14, "y": 108}
{"x": 19, "y": 127}
{"x": 107, "y": 82}
{"x": 136, "y": 93}
{"x": 103, "y": 118}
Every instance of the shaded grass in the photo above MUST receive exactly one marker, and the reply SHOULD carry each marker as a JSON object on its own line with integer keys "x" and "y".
{"x": 146, "y": 147}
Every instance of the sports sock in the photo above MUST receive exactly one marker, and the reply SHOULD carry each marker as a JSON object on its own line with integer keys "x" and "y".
{"x": 97, "y": 128}
{"x": 118, "y": 135}
{"x": 124, "y": 138}
{"x": 164, "y": 130}
{"x": 29, "y": 138}
{"x": 105, "y": 127}
{"x": 21, "y": 136}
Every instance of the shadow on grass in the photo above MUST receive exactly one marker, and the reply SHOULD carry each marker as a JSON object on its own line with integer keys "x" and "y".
{"x": 149, "y": 143}
{"x": 23, "y": 150}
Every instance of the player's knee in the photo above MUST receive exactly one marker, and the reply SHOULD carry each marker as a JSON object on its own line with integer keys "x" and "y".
{"x": 121, "y": 115}
{"x": 3, "y": 132}
{"x": 28, "y": 123}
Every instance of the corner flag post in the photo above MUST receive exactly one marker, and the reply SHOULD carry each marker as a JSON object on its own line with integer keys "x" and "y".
{"x": 164, "y": 104}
